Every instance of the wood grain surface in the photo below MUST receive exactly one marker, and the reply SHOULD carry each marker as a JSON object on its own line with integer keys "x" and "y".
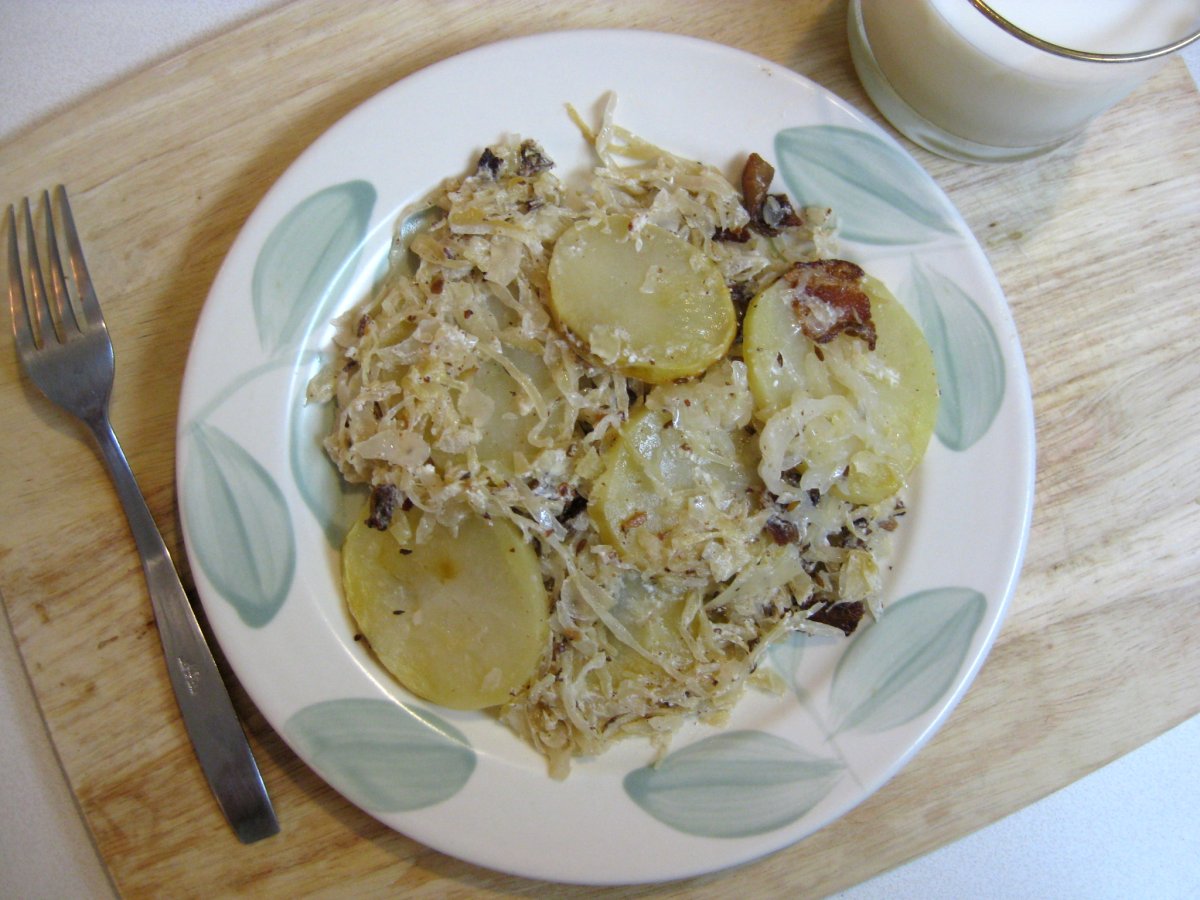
{"x": 1095, "y": 247}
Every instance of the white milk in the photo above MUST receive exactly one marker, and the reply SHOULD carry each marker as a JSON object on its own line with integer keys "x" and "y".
{"x": 983, "y": 93}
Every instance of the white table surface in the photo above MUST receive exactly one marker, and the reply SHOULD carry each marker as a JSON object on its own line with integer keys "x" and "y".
{"x": 1131, "y": 829}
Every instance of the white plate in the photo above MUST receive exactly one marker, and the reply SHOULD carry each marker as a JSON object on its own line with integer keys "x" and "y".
{"x": 262, "y": 512}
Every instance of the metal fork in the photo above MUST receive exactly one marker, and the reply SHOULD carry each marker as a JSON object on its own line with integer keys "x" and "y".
{"x": 67, "y": 353}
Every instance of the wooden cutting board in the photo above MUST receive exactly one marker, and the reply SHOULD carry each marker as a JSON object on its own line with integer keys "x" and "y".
{"x": 1095, "y": 247}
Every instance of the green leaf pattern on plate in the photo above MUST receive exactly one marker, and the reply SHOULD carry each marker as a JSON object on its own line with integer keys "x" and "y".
{"x": 902, "y": 665}
{"x": 966, "y": 354}
{"x": 381, "y": 755}
{"x": 307, "y": 260}
{"x": 785, "y": 655}
{"x": 239, "y": 525}
{"x": 880, "y": 194}
{"x": 733, "y": 785}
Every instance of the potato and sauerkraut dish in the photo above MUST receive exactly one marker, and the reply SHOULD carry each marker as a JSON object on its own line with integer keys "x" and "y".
{"x": 618, "y": 438}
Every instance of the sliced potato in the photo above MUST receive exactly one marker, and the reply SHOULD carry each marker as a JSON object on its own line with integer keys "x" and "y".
{"x": 513, "y": 415}
{"x": 460, "y": 619}
{"x": 646, "y": 302}
{"x": 505, "y": 397}
{"x": 892, "y": 390}
{"x": 662, "y": 482}
{"x": 653, "y": 615}
{"x": 501, "y": 395}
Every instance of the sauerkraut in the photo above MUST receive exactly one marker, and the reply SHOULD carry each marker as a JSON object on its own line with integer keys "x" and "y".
{"x": 678, "y": 528}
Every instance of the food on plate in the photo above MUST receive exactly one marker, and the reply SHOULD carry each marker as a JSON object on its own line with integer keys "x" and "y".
{"x": 418, "y": 601}
{"x": 640, "y": 298}
{"x": 810, "y": 334}
{"x": 619, "y": 438}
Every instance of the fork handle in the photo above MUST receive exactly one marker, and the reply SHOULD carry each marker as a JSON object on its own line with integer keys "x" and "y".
{"x": 220, "y": 744}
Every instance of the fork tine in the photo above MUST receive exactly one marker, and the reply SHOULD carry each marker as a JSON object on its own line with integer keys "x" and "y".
{"x": 17, "y": 307}
{"x": 83, "y": 282}
{"x": 45, "y": 326}
{"x": 58, "y": 283}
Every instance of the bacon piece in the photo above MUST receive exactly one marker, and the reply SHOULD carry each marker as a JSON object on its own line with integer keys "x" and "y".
{"x": 782, "y": 531}
{"x": 757, "y": 175}
{"x": 532, "y": 160}
{"x": 732, "y": 235}
{"x": 845, "y": 616}
{"x": 384, "y": 500}
{"x": 489, "y": 162}
{"x": 777, "y": 214}
{"x": 769, "y": 213}
{"x": 828, "y": 299}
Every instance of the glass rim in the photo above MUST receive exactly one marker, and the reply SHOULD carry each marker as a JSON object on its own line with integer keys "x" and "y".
{"x": 1083, "y": 55}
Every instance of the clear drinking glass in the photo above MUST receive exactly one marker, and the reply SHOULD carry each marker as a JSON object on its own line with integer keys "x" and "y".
{"x": 1007, "y": 80}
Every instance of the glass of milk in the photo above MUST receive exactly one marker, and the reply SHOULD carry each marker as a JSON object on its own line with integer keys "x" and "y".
{"x": 1008, "y": 79}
